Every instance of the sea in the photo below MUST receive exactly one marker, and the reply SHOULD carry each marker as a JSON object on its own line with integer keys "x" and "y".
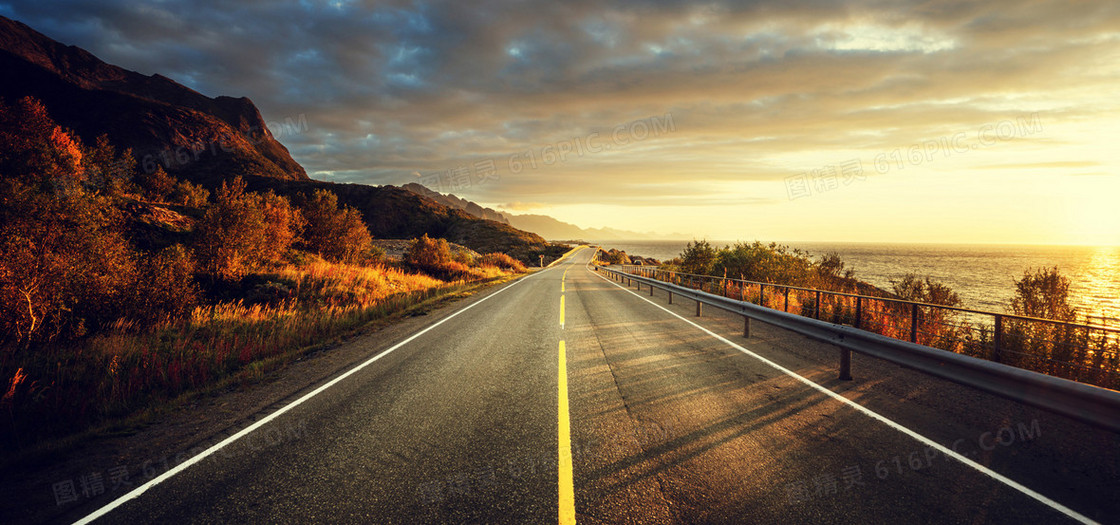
{"x": 982, "y": 275}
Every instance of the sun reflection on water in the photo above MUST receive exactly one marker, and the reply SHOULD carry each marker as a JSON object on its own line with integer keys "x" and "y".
{"x": 1096, "y": 290}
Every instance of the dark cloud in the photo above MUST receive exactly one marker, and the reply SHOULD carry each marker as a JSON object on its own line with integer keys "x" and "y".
{"x": 393, "y": 88}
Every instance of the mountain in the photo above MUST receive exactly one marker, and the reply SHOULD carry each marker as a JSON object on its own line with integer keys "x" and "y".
{"x": 161, "y": 120}
{"x": 542, "y": 225}
{"x": 392, "y": 212}
{"x": 456, "y": 202}
{"x": 551, "y": 228}
{"x": 164, "y": 123}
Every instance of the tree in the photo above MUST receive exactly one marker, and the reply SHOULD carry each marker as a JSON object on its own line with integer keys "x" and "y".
{"x": 165, "y": 288}
{"x": 698, "y": 258}
{"x": 108, "y": 172}
{"x": 1044, "y": 294}
{"x": 428, "y": 254}
{"x": 158, "y": 185}
{"x": 64, "y": 262}
{"x": 913, "y": 288}
{"x": 336, "y": 233}
{"x": 283, "y": 226}
{"x": 231, "y": 238}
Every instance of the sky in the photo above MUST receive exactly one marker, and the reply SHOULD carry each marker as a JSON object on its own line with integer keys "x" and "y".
{"x": 791, "y": 120}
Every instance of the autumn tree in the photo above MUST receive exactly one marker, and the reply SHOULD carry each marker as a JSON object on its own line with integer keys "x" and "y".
{"x": 64, "y": 262}
{"x": 428, "y": 254}
{"x": 242, "y": 231}
{"x": 336, "y": 233}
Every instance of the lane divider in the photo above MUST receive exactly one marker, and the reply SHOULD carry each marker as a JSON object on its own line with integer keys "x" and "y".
{"x": 566, "y": 487}
{"x": 875, "y": 415}
{"x": 565, "y": 484}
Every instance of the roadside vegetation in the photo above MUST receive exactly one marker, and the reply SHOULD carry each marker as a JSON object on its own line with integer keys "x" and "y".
{"x": 121, "y": 290}
{"x": 1080, "y": 353}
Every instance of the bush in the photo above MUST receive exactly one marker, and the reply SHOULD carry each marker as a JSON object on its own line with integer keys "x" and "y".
{"x": 158, "y": 185}
{"x": 188, "y": 194}
{"x": 501, "y": 260}
{"x": 771, "y": 263}
{"x": 165, "y": 288}
{"x": 1044, "y": 294}
{"x": 913, "y": 288}
{"x": 243, "y": 231}
{"x": 426, "y": 253}
{"x": 698, "y": 258}
{"x": 336, "y": 233}
{"x": 65, "y": 265}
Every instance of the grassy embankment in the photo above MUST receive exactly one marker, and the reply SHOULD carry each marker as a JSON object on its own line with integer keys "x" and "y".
{"x": 118, "y": 379}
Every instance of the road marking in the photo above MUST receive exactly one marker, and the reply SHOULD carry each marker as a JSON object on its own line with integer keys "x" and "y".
{"x": 561, "y": 311}
{"x": 249, "y": 429}
{"x": 566, "y": 487}
{"x": 875, "y": 415}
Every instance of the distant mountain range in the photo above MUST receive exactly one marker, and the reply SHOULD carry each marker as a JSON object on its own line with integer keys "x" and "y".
{"x": 542, "y": 225}
{"x": 208, "y": 140}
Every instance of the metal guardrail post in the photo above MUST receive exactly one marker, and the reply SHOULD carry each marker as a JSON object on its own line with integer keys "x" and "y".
{"x": 859, "y": 312}
{"x": 845, "y": 364}
{"x": 651, "y": 290}
{"x": 914, "y": 323}
{"x": 786, "y": 309}
{"x": 699, "y": 308}
{"x": 746, "y": 327}
{"x": 670, "y": 297}
{"x": 762, "y": 295}
{"x": 997, "y": 339}
{"x": 817, "y": 308}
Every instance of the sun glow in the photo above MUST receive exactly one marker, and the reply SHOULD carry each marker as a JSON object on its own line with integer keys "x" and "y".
{"x": 1094, "y": 211}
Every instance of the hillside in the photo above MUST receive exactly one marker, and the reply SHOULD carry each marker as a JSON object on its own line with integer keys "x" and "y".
{"x": 193, "y": 136}
{"x": 456, "y": 202}
{"x": 542, "y": 225}
{"x": 211, "y": 140}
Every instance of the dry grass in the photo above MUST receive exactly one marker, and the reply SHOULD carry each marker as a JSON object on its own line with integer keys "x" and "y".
{"x": 122, "y": 371}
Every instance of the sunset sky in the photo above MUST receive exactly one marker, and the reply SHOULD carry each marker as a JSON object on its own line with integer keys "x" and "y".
{"x": 938, "y": 121}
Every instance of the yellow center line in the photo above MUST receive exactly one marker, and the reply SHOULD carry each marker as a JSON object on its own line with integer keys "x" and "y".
{"x": 566, "y": 487}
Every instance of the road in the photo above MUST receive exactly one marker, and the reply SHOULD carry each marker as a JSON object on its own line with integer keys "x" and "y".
{"x": 563, "y": 394}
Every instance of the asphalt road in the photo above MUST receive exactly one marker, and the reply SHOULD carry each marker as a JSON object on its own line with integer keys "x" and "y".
{"x": 670, "y": 422}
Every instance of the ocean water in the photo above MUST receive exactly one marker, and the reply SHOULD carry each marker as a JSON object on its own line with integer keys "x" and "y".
{"x": 983, "y": 275}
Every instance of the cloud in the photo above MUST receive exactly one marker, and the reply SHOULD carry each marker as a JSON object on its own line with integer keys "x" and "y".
{"x": 521, "y": 206}
{"x": 758, "y": 90}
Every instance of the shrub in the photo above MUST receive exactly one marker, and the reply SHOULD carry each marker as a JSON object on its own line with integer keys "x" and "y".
{"x": 283, "y": 226}
{"x": 501, "y": 260}
{"x": 188, "y": 194}
{"x": 336, "y": 233}
{"x": 157, "y": 185}
{"x": 1044, "y": 294}
{"x": 698, "y": 258}
{"x": 243, "y": 231}
{"x": 64, "y": 262}
{"x": 165, "y": 288}
{"x": 768, "y": 263}
{"x": 426, "y": 253}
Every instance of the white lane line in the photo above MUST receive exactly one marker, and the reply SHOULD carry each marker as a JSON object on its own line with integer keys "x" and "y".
{"x": 247, "y": 430}
{"x": 875, "y": 415}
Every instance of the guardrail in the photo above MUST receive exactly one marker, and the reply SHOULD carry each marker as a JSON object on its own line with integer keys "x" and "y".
{"x": 1091, "y": 404}
{"x": 1085, "y": 353}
